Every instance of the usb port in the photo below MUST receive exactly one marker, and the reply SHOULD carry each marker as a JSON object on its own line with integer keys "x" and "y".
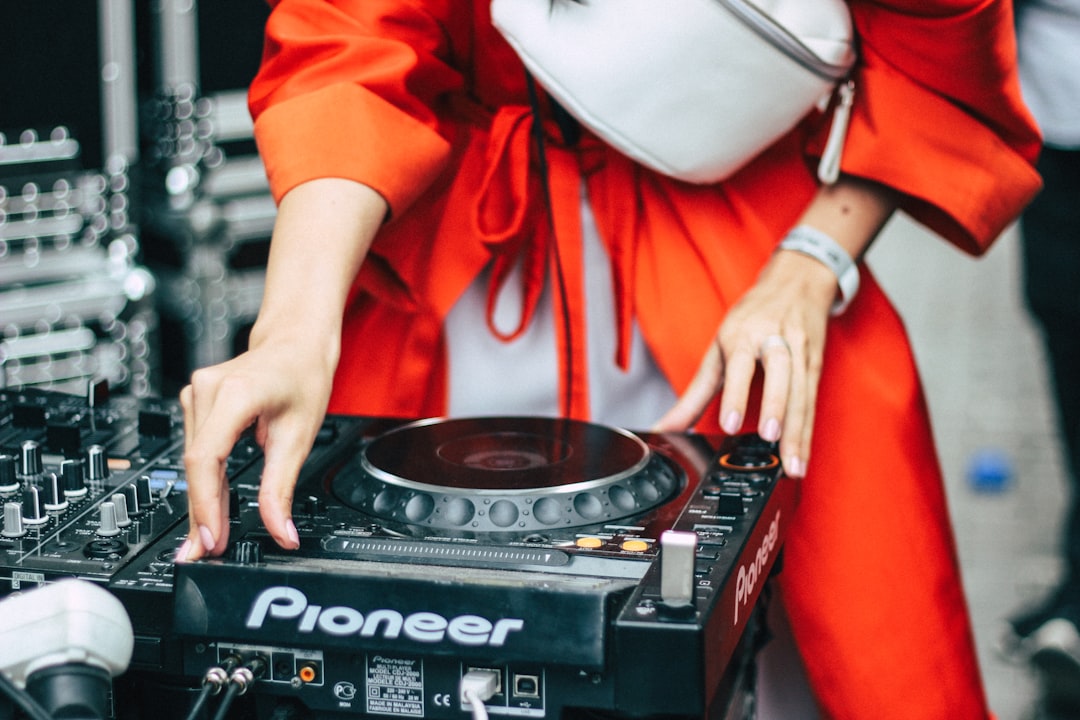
{"x": 526, "y": 685}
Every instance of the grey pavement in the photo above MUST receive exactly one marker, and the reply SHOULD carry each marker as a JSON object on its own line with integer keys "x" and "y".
{"x": 986, "y": 381}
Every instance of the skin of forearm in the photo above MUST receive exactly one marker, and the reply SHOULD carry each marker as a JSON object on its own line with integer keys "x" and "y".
{"x": 852, "y": 212}
{"x": 322, "y": 234}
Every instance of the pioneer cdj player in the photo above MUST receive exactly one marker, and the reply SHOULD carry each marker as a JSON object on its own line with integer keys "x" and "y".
{"x": 575, "y": 569}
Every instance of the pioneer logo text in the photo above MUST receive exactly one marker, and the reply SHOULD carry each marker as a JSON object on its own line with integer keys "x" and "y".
{"x": 286, "y": 603}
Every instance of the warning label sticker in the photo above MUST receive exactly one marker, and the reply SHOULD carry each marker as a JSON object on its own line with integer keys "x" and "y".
{"x": 395, "y": 686}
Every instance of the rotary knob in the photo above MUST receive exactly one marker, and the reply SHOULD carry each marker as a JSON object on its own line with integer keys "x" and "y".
{"x": 33, "y": 510}
{"x": 123, "y": 519}
{"x": 30, "y": 462}
{"x": 131, "y": 497}
{"x": 142, "y": 490}
{"x": 97, "y": 464}
{"x": 55, "y": 500}
{"x": 9, "y": 476}
{"x": 13, "y": 522}
{"x": 72, "y": 472}
{"x": 107, "y": 526}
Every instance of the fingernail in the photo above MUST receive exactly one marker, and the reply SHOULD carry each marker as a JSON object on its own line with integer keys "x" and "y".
{"x": 207, "y": 538}
{"x": 771, "y": 431}
{"x": 731, "y": 423}
{"x": 795, "y": 467}
{"x": 294, "y": 536}
{"x": 182, "y": 552}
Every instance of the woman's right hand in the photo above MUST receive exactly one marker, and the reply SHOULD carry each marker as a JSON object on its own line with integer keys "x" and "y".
{"x": 281, "y": 386}
{"x": 282, "y": 394}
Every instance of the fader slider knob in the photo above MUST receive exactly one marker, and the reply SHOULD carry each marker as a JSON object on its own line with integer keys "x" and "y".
{"x": 677, "y": 554}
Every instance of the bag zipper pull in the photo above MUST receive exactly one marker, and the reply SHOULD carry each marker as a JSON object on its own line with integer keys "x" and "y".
{"x": 829, "y": 167}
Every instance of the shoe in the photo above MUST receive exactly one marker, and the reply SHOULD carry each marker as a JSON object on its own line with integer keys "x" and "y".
{"x": 1015, "y": 642}
{"x": 1056, "y": 659}
{"x": 1048, "y": 639}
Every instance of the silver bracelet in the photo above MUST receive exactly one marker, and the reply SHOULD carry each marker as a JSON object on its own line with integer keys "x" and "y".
{"x": 816, "y": 244}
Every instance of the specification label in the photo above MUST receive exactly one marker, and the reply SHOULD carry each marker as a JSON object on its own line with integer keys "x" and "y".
{"x": 395, "y": 686}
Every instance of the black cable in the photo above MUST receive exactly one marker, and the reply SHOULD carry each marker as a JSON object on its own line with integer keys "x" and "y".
{"x": 207, "y": 690}
{"x": 23, "y": 700}
{"x": 560, "y": 279}
{"x": 214, "y": 679}
{"x": 230, "y": 695}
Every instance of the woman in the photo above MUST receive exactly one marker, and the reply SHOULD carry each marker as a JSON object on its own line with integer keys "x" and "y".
{"x": 397, "y": 137}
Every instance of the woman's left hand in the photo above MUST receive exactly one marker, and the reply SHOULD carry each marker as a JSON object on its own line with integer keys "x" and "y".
{"x": 780, "y": 325}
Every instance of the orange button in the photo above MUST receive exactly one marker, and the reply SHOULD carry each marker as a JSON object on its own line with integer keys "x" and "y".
{"x": 635, "y": 545}
{"x": 589, "y": 542}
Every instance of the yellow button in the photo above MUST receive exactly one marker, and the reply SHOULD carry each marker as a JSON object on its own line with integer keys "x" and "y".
{"x": 635, "y": 545}
{"x": 589, "y": 542}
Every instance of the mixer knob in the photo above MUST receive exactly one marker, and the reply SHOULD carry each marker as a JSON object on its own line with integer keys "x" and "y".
{"x": 107, "y": 526}
{"x": 9, "y": 476}
{"x": 97, "y": 465}
{"x": 131, "y": 495}
{"x": 246, "y": 552}
{"x": 55, "y": 500}
{"x": 74, "y": 483}
{"x": 122, "y": 518}
{"x": 313, "y": 505}
{"x": 142, "y": 490}
{"x": 13, "y": 522}
{"x": 33, "y": 510}
{"x": 31, "y": 461}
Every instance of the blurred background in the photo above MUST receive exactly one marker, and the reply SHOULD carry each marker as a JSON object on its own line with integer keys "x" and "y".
{"x": 135, "y": 221}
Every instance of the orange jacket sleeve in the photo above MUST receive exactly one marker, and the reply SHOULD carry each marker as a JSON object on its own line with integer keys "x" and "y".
{"x": 349, "y": 89}
{"x": 938, "y": 114}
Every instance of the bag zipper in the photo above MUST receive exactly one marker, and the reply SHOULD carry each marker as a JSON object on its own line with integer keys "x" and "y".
{"x": 783, "y": 40}
{"x": 829, "y": 165}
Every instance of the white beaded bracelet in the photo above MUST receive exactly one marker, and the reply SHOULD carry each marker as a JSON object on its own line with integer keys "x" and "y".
{"x": 816, "y": 244}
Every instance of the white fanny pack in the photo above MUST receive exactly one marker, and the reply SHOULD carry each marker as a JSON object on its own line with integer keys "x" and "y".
{"x": 693, "y": 89}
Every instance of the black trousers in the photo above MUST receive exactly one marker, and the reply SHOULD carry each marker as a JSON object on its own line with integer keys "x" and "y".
{"x": 1051, "y": 242}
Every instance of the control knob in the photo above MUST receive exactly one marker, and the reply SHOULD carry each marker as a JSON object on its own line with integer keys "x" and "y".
{"x": 97, "y": 465}
{"x": 9, "y": 477}
{"x": 72, "y": 472}
{"x": 30, "y": 465}
{"x": 13, "y": 522}
{"x": 107, "y": 526}
{"x": 55, "y": 500}
{"x": 123, "y": 519}
{"x": 33, "y": 510}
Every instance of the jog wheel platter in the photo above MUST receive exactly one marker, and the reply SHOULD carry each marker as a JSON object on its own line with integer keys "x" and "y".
{"x": 505, "y": 474}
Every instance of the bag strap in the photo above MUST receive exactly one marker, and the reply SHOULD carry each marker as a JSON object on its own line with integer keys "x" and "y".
{"x": 549, "y": 213}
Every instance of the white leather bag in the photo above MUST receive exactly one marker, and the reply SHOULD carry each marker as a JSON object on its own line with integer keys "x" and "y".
{"x": 691, "y": 88}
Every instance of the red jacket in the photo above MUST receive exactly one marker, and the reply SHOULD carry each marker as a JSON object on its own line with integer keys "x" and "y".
{"x": 423, "y": 101}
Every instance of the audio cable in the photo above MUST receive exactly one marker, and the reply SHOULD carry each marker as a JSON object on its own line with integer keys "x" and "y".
{"x": 240, "y": 680}
{"x": 214, "y": 679}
